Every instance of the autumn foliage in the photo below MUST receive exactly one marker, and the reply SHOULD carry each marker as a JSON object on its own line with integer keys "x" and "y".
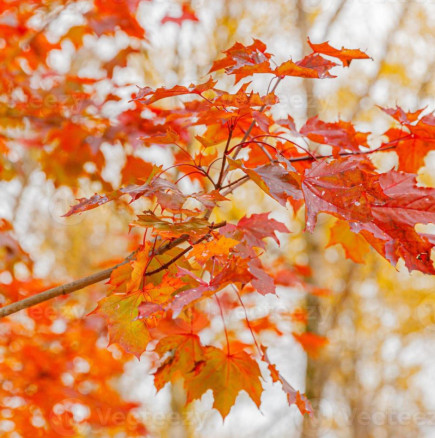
{"x": 186, "y": 253}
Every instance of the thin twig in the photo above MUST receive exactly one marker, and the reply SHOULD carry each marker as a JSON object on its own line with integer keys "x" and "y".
{"x": 224, "y": 159}
{"x": 235, "y": 182}
{"x": 248, "y": 132}
{"x": 186, "y": 250}
{"x": 251, "y": 126}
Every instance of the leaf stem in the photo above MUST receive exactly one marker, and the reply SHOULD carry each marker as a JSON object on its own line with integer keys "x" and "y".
{"x": 223, "y": 322}
{"x": 247, "y": 320}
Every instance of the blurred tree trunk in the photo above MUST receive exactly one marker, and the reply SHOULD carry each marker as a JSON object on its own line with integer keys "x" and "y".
{"x": 178, "y": 429}
{"x": 316, "y": 369}
{"x": 313, "y": 387}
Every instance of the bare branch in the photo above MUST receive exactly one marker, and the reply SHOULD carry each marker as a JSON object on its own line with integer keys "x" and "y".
{"x": 387, "y": 49}
{"x": 332, "y": 20}
{"x": 61, "y": 290}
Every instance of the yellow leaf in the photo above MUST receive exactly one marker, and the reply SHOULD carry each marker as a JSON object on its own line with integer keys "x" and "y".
{"x": 354, "y": 245}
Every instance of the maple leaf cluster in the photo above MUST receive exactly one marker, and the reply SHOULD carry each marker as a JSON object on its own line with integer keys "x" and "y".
{"x": 220, "y": 140}
{"x": 165, "y": 282}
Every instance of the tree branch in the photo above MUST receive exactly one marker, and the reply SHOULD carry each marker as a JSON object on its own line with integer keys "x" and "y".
{"x": 247, "y": 133}
{"x": 330, "y": 23}
{"x": 251, "y": 126}
{"x": 98, "y": 276}
{"x": 224, "y": 159}
{"x": 64, "y": 289}
{"x": 185, "y": 251}
{"x": 395, "y": 28}
{"x": 105, "y": 274}
{"x": 346, "y": 154}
